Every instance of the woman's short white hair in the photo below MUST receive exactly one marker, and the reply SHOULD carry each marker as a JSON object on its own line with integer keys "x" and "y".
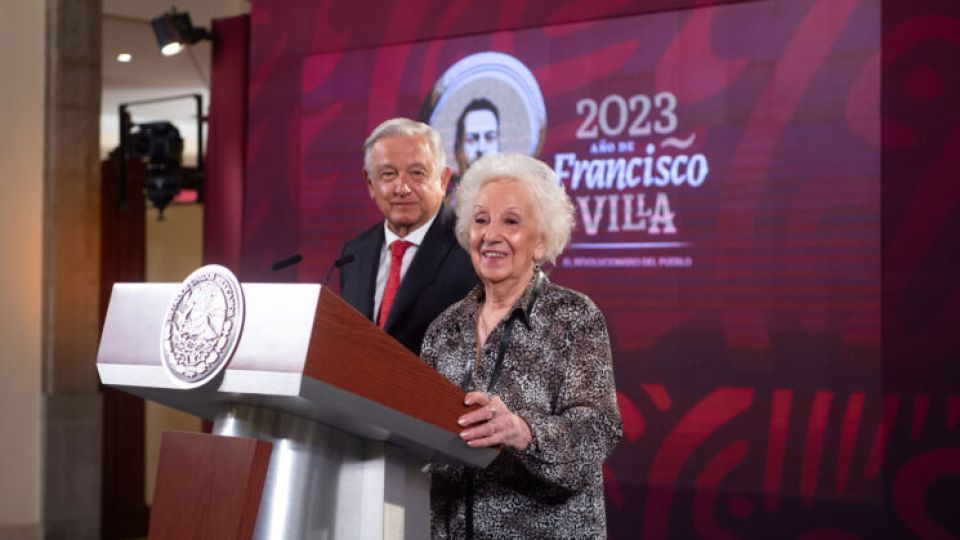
{"x": 552, "y": 205}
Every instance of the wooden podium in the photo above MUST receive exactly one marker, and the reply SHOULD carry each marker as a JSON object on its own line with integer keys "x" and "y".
{"x": 352, "y": 416}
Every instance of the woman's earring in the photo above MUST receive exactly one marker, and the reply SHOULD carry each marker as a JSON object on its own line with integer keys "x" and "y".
{"x": 536, "y": 267}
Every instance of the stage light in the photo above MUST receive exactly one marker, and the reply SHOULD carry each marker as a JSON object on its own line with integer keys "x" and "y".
{"x": 160, "y": 145}
{"x": 175, "y": 31}
{"x": 124, "y": 57}
{"x": 171, "y": 48}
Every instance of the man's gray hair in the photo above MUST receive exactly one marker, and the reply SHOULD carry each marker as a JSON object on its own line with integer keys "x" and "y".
{"x": 397, "y": 127}
{"x": 552, "y": 205}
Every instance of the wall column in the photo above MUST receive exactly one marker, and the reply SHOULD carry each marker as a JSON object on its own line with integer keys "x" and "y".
{"x": 71, "y": 271}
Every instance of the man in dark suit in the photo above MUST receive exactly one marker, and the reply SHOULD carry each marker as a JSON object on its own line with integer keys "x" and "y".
{"x": 409, "y": 268}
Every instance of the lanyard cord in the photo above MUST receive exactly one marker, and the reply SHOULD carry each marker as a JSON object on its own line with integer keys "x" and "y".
{"x": 470, "y": 474}
{"x": 504, "y": 342}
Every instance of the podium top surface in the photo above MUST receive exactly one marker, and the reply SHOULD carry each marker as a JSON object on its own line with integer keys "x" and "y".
{"x": 302, "y": 350}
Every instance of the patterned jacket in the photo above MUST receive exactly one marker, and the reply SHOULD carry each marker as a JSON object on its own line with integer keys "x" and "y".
{"x": 558, "y": 376}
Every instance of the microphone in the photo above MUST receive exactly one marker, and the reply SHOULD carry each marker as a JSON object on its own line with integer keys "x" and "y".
{"x": 283, "y": 263}
{"x": 339, "y": 263}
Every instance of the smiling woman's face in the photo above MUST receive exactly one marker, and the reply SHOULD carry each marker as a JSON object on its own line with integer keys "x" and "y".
{"x": 505, "y": 237}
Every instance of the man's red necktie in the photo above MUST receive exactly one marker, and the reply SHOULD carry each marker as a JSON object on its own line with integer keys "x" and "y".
{"x": 397, "y": 249}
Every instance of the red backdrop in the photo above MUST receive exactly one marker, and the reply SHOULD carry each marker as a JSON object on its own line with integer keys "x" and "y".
{"x": 786, "y": 350}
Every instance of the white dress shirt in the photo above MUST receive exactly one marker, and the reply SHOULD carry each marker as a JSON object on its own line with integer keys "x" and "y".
{"x": 383, "y": 272}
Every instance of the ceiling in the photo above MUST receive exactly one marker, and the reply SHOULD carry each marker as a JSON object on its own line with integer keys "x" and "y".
{"x": 126, "y": 28}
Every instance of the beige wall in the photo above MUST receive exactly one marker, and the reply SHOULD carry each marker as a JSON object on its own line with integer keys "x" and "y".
{"x": 174, "y": 249}
{"x": 21, "y": 203}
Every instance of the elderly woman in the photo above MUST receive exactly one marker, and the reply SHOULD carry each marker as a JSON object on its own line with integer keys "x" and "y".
{"x": 535, "y": 356}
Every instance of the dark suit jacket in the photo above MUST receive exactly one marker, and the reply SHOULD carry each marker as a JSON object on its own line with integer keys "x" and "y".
{"x": 439, "y": 275}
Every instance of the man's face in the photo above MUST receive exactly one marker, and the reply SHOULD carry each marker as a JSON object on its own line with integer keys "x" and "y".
{"x": 403, "y": 182}
{"x": 481, "y": 135}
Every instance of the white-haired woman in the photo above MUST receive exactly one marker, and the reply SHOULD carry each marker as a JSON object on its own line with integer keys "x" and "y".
{"x": 535, "y": 356}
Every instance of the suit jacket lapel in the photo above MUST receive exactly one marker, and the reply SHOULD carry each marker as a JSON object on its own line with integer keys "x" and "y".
{"x": 368, "y": 262}
{"x": 436, "y": 244}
